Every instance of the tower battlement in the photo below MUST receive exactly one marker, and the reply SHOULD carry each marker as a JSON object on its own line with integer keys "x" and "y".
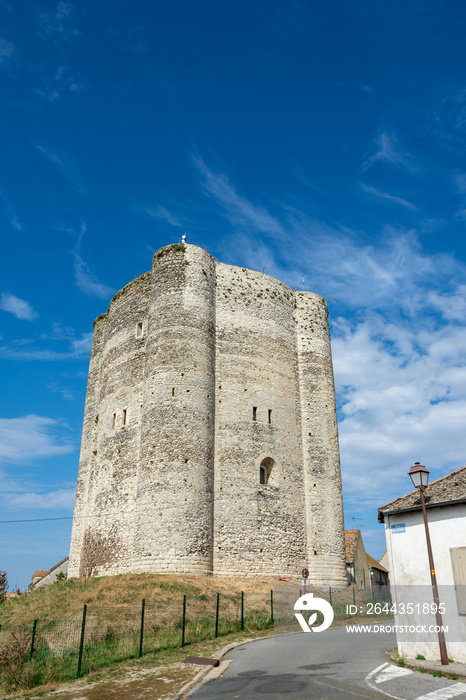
{"x": 210, "y": 438}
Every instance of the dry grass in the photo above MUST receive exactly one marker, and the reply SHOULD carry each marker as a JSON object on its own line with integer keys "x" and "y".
{"x": 64, "y": 600}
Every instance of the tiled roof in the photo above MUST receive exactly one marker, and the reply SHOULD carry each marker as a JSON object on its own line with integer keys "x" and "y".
{"x": 351, "y": 542}
{"x": 39, "y": 573}
{"x": 375, "y": 564}
{"x": 440, "y": 492}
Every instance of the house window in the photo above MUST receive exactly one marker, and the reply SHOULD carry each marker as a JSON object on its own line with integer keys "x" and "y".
{"x": 139, "y": 329}
{"x": 254, "y": 412}
{"x": 458, "y": 564}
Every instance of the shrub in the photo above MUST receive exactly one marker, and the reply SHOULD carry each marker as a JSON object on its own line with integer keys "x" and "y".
{"x": 14, "y": 646}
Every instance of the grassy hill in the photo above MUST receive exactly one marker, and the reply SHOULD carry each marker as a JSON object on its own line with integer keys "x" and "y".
{"x": 64, "y": 600}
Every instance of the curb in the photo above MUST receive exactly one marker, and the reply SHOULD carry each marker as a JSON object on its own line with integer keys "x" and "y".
{"x": 416, "y": 665}
{"x": 207, "y": 674}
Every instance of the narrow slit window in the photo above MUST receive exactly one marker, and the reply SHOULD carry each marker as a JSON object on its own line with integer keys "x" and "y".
{"x": 254, "y": 412}
{"x": 270, "y": 415}
{"x": 263, "y": 475}
{"x": 124, "y": 417}
{"x": 173, "y": 391}
{"x": 139, "y": 329}
{"x": 114, "y": 421}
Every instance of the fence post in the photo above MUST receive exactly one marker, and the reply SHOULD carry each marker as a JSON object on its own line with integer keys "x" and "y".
{"x": 184, "y": 621}
{"x": 33, "y": 638}
{"x": 81, "y": 643}
{"x": 271, "y": 606}
{"x": 141, "y": 638}
{"x": 242, "y": 610}
{"x": 354, "y": 597}
{"x": 330, "y": 594}
{"x": 216, "y": 615}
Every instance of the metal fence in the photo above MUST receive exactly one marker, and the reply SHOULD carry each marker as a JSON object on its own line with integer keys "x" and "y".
{"x": 63, "y": 649}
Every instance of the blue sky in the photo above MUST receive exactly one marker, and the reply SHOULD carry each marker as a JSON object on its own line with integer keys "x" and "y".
{"x": 324, "y": 139}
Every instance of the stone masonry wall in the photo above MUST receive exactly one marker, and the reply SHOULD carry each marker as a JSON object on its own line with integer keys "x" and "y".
{"x": 206, "y": 381}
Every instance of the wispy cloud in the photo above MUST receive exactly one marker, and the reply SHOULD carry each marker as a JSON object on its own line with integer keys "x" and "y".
{"x": 57, "y": 22}
{"x": 15, "y": 352}
{"x": 61, "y": 499}
{"x": 77, "y": 347}
{"x": 446, "y": 120}
{"x": 66, "y": 165}
{"x": 25, "y": 441}
{"x": 366, "y": 88}
{"x": 82, "y": 346}
{"x": 9, "y": 211}
{"x": 54, "y": 88}
{"x": 135, "y": 41}
{"x": 7, "y": 49}
{"x": 32, "y": 437}
{"x": 18, "y": 307}
{"x": 236, "y": 208}
{"x": 379, "y": 194}
{"x": 86, "y": 281}
{"x": 160, "y": 212}
{"x": 388, "y": 151}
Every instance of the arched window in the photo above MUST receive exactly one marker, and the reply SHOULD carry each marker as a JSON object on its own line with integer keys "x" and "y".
{"x": 265, "y": 470}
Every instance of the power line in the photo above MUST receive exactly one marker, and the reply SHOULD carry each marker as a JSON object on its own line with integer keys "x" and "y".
{"x": 36, "y": 520}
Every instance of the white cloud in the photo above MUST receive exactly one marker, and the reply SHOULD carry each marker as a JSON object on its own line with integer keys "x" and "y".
{"x": 56, "y": 22}
{"x": 236, "y": 208}
{"x": 366, "y": 88}
{"x": 54, "y": 88}
{"x": 82, "y": 345}
{"x": 65, "y": 164}
{"x": 32, "y": 437}
{"x": 402, "y": 399}
{"x": 7, "y": 50}
{"x": 160, "y": 212}
{"x": 78, "y": 347}
{"x": 389, "y": 152}
{"x": 18, "y": 307}
{"x": 86, "y": 281}
{"x": 389, "y": 197}
{"x": 53, "y": 500}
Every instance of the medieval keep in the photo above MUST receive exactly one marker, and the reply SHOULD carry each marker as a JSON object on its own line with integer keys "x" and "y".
{"x": 210, "y": 440}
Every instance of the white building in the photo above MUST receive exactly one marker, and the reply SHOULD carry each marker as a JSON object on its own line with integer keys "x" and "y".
{"x": 44, "y": 578}
{"x": 409, "y": 569}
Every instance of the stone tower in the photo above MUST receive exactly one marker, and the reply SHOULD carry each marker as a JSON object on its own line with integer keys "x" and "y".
{"x": 210, "y": 438}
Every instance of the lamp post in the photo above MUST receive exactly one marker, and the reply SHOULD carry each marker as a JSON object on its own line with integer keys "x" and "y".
{"x": 420, "y": 476}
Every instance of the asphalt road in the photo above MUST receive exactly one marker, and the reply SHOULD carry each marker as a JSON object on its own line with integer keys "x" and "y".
{"x": 330, "y": 665}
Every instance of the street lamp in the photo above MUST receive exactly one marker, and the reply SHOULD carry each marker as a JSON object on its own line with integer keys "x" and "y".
{"x": 420, "y": 476}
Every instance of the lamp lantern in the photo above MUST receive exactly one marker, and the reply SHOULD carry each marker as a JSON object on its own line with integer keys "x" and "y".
{"x": 419, "y": 475}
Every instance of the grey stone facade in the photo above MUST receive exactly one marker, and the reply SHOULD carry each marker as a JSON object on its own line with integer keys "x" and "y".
{"x": 206, "y": 381}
